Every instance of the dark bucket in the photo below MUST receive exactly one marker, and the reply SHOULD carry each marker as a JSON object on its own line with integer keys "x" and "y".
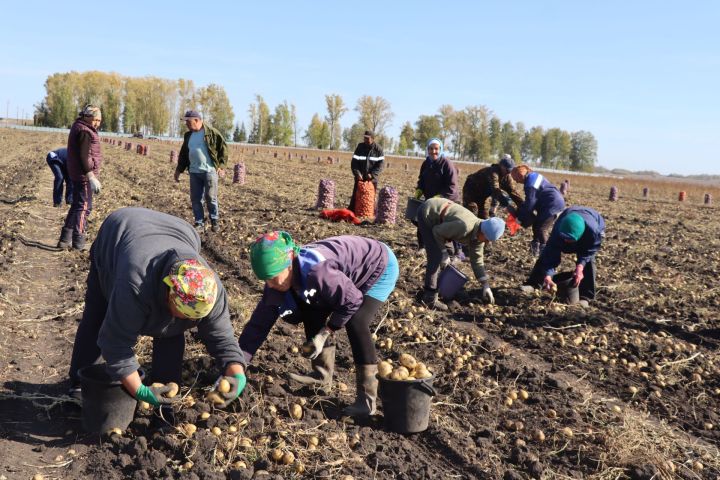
{"x": 105, "y": 403}
{"x": 411, "y": 210}
{"x": 566, "y": 292}
{"x": 450, "y": 282}
{"x": 406, "y": 404}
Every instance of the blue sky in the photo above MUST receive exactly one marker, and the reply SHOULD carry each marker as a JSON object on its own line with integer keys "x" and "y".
{"x": 643, "y": 77}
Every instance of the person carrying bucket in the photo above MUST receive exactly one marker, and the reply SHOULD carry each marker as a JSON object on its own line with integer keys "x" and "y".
{"x": 441, "y": 221}
{"x": 578, "y": 230}
{"x": 327, "y": 285}
{"x": 543, "y": 203}
{"x": 148, "y": 278}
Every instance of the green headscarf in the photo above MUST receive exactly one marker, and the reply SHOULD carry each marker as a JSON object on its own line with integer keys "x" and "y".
{"x": 271, "y": 253}
{"x": 572, "y": 227}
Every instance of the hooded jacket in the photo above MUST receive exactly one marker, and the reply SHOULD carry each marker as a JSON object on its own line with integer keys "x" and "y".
{"x": 585, "y": 248}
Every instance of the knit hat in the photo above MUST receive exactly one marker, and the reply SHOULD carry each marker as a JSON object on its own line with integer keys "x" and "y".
{"x": 90, "y": 111}
{"x": 272, "y": 253}
{"x": 492, "y": 228}
{"x": 435, "y": 141}
{"x": 193, "y": 289}
{"x": 572, "y": 227}
{"x": 507, "y": 162}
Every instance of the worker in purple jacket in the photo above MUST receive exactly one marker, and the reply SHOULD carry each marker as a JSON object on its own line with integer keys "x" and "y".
{"x": 327, "y": 285}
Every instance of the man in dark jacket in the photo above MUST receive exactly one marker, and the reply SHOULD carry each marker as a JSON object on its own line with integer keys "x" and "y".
{"x": 366, "y": 164}
{"x": 490, "y": 182}
{"x": 147, "y": 278}
{"x": 578, "y": 230}
{"x": 57, "y": 161}
{"x": 203, "y": 153}
{"x": 83, "y": 166}
{"x": 338, "y": 282}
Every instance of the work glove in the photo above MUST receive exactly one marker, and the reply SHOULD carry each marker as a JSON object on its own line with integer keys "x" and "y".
{"x": 368, "y": 177}
{"x": 357, "y": 174}
{"x": 579, "y": 275}
{"x": 487, "y": 295}
{"x": 511, "y": 210}
{"x": 318, "y": 342}
{"x": 237, "y": 385}
{"x": 548, "y": 284}
{"x": 95, "y": 184}
{"x": 155, "y": 396}
{"x": 418, "y": 193}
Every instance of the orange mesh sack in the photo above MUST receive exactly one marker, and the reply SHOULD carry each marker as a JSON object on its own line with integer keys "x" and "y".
{"x": 365, "y": 199}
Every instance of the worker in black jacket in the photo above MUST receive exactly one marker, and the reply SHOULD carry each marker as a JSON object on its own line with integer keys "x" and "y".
{"x": 367, "y": 163}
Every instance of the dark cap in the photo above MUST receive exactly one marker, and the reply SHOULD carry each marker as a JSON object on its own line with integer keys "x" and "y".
{"x": 369, "y": 133}
{"x": 507, "y": 162}
{"x": 192, "y": 114}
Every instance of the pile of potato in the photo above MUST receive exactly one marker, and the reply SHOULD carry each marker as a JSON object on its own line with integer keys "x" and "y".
{"x": 408, "y": 369}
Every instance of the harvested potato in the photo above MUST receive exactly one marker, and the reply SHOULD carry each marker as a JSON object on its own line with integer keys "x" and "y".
{"x": 174, "y": 389}
{"x": 384, "y": 369}
{"x": 407, "y": 361}
{"x": 223, "y": 386}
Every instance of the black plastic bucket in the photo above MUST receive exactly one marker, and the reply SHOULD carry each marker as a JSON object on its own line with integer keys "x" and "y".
{"x": 566, "y": 292}
{"x": 105, "y": 403}
{"x": 411, "y": 210}
{"x": 406, "y": 404}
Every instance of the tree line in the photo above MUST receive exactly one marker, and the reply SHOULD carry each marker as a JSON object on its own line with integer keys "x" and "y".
{"x": 153, "y": 106}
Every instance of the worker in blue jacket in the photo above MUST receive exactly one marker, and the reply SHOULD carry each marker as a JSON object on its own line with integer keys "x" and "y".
{"x": 578, "y": 230}
{"x": 57, "y": 160}
{"x": 543, "y": 203}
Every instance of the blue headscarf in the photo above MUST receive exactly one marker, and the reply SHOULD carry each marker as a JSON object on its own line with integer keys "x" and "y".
{"x": 430, "y": 142}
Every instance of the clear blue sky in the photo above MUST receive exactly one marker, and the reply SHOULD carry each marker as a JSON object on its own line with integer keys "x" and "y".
{"x": 642, "y": 76}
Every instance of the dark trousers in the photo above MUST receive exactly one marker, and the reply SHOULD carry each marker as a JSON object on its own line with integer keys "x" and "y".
{"x": 433, "y": 253}
{"x": 586, "y": 287}
{"x": 358, "y": 331}
{"x": 82, "y": 197}
{"x": 167, "y": 352}
{"x": 541, "y": 229}
{"x": 61, "y": 180}
{"x": 351, "y": 207}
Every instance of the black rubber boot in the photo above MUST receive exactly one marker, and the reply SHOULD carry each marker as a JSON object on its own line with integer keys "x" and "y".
{"x": 431, "y": 300}
{"x": 79, "y": 242}
{"x": 66, "y": 236}
{"x": 366, "y": 392}
{"x": 322, "y": 370}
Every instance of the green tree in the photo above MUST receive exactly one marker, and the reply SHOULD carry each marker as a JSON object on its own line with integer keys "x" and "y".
{"x": 407, "y": 139}
{"x": 335, "y": 110}
{"x": 186, "y": 99}
{"x": 260, "y": 127}
{"x": 496, "y": 139}
{"x": 374, "y": 114}
{"x": 427, "y": 127}
{"x": 353, "y": 135}
{"x": 239, "y": 134}
{"x": 583, "y": 154}
{"x": 282, "y": 125}
{"x": 318, "y": 133}
{"x": 477, "y": 146}
{"x": 532, "y": 146}
{"x": 216, "y": 108}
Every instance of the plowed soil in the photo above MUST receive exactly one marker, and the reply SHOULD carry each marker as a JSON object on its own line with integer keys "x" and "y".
{"x": 527, "y": 388}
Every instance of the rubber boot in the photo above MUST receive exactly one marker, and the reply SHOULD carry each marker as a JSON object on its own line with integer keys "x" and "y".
{"x": 366, "y": 394}
{"x": 79, "y": 242}
{"x": 541, "y": 247}
{"x": 535, "y": 248}
{"x": 431, "y": 300}
{"x": 65, "y": 238}
{"x": 322, "y": 370}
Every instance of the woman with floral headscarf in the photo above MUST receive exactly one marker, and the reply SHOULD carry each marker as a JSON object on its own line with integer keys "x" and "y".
{"x": 327, "y": 285}
{"x": 148, "y": 278}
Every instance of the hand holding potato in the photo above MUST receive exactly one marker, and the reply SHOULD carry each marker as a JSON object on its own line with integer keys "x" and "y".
{"x": 227, "y": 389}
{"x": 157, "y": 394}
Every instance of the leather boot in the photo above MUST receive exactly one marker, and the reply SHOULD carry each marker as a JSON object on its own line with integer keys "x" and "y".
{"x": 366, "y": 394}
{"x": 79, "y": 242}
{"x": 65, "y": 238}
{"x": 322, "y": 370}
{"x": 431, "y": 300}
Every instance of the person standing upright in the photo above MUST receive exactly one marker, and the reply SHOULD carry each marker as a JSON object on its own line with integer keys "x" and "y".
{"x": 203, "y": 154}
{"x": 366, "y": 164}
{"x": 84, "y": 158}
{"x": 57, "y": 161}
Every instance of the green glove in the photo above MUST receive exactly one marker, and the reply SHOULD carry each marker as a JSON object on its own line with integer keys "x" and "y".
{"x": 418, "y": 193}
{"x": 154, "y": 395}
{"x": 237, "y": 385}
